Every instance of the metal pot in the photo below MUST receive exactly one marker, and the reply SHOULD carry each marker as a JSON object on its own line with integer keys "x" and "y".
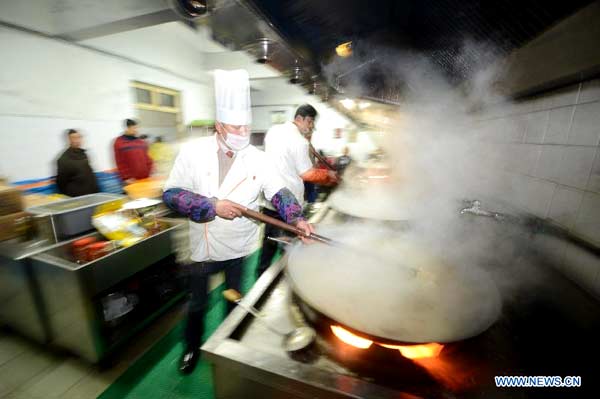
{"x": 440, "y": 303}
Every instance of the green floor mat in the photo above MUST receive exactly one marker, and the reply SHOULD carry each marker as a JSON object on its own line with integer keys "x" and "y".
{"x": 155, "y": 374}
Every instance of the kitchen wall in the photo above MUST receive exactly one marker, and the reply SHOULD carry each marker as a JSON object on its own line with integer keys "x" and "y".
{"x": 276, "y": 94}
{"x": 49, "y": 85}
{"x": 548, "y": 149}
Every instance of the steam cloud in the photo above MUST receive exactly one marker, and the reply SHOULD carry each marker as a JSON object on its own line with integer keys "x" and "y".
{"x": 440, "y": 154}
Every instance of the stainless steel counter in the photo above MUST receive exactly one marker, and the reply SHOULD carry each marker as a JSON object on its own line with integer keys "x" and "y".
{"x": 47, "y": 296}
{"x": 70, "y": 292}
{"x": 249, "y": 362}
{"x": 20, "y": 302}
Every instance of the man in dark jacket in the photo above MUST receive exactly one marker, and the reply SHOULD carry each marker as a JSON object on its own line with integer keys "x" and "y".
{"x": 74, "y": 176}
{"x": 131, "y": 154}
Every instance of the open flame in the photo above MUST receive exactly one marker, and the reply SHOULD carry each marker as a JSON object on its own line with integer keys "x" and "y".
{"x": 418, "y": 351}
{"x": 421, "y": 351}
{"x": 351, "y": 339}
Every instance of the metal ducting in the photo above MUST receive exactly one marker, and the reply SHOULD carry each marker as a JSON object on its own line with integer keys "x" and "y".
{"x": 299, "y": 38}
{"x": 239, "y": 25}
{"x": 455, "y": 38}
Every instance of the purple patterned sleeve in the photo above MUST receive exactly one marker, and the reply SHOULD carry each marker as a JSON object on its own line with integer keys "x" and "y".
{"x": 198, "y": 208}
{"x": 287, "y": 206}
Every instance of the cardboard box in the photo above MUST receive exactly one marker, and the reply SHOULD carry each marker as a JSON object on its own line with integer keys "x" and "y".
{"x": 31, "y": 200}
{"x": 13, "y": 225}
{"x": 11, "y": 200}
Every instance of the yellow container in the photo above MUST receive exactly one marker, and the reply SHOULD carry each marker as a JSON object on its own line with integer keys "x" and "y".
{"x": 146, "y": 188}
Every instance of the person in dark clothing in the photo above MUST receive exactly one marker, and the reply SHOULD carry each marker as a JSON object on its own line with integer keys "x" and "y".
{"x": 74, "y": 175}
{"x": 131, "y": 154}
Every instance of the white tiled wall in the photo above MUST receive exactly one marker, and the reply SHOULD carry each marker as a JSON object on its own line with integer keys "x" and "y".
{"x": 550, "y": 146}
{"x": 565, "y": 205}
{"x": 594, "y": 181}
{"x": 559, "y": 123}
{"x": 536, "y": 123}
{"x": 588, "y": 217}
{"x": 585, "y": 125}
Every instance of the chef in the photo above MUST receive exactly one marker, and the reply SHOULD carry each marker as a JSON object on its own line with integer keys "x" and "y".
{"x": 212, "y": 179}
{"x": 288, "y": 146}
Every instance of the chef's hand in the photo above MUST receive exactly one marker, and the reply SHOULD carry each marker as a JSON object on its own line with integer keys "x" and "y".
{"x": 307, "y": 228}
{"x": 227, "y": 209}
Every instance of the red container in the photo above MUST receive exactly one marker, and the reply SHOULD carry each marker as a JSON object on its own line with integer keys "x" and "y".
{"x": 98, "y": 250}
{"x": 80, "y": 249}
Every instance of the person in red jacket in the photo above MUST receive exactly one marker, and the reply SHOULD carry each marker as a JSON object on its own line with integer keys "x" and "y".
{"x": 131, "y": 154}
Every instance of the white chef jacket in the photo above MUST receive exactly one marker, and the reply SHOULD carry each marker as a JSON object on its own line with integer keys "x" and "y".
{"x": 196, "y": 169}
{"x": 288, "y": 150}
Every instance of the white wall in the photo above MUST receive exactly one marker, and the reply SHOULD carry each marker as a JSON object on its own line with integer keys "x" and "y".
{"x": 47, "y": 86}
{"x": 278, "y": 95}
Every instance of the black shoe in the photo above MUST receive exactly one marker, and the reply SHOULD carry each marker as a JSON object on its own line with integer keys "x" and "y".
{"x": 188, "y": 360}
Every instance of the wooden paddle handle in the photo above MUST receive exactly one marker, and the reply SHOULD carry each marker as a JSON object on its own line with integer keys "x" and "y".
{"x": 249, "y": 213}
{"x": 320, "y": 158}
{"x": 261, "y": 217}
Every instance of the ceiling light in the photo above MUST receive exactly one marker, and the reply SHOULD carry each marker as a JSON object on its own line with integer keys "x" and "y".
{"x": 344, "y": 50}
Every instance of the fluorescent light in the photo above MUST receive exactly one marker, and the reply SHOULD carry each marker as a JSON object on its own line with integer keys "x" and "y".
{"x": 344, "y": 50}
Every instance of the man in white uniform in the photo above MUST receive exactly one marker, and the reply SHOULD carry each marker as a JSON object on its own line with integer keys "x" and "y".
{"x": 289, "y": 149}
{"x": 212, "y": 179}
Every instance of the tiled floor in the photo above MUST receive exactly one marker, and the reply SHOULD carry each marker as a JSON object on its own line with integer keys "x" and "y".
{"x": 31, "y": 371}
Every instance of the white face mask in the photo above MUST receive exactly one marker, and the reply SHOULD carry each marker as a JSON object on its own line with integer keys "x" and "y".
{"x": 235, "y": 142}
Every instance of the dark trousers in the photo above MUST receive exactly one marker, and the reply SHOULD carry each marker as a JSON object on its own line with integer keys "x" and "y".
{"x": 269, "y": 248}
{"x": 199, "y": 274}
{"x": 310, "y": 192}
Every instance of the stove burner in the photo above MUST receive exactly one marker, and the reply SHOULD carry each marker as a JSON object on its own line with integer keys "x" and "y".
{"x": 416, "y": 351}
{"x": 427, "y": 367}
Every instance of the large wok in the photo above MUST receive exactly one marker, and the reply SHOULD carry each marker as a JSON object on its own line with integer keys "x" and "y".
{"x": 442, "y": 302}
{"x": 385, "y": 285}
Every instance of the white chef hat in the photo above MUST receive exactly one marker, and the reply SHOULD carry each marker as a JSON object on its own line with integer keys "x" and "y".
{"x": 232, "y": 97}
